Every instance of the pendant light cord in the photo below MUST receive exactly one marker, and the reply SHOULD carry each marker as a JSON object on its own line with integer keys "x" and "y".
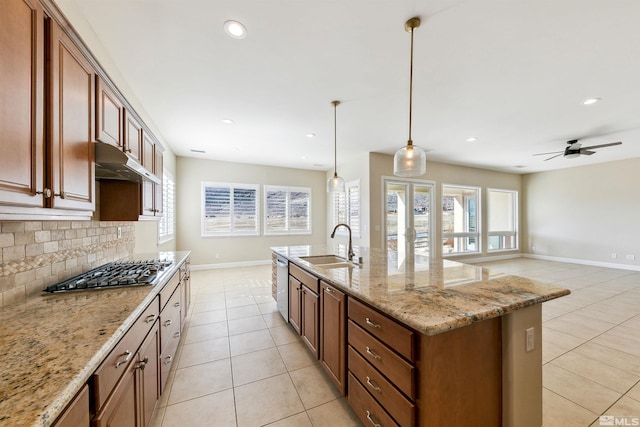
{"x": 335, "y": 138}
{"x": 410, "y": 142}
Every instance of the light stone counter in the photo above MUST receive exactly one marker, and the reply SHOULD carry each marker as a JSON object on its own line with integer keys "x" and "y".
{"x": 51, "y": 344}
{"x": 429, "y": 296}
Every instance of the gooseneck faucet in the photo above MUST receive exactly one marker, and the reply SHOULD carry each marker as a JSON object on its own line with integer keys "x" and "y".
{"x": 350, "y": 255}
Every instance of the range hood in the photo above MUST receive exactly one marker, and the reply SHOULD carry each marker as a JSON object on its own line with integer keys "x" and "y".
{"x": 113, "y": 163}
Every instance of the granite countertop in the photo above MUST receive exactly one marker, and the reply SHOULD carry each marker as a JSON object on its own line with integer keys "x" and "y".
{"x": 52, "y": 343}
{"x": 430, "y": 296}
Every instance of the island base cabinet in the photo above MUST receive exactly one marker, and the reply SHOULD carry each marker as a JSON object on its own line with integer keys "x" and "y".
{"x": 333, "y": 312}
{"x": 77, "y": 413}
{"x": 295, "y": 303}
{"x": 365, "y": 406}
{"x": 309, "y": 328}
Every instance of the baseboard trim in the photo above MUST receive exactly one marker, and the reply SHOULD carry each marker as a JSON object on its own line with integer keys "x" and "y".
{"x": 487, "y": 258}
{"x": 229, "y": 265}
{"x": 583, "y": 262}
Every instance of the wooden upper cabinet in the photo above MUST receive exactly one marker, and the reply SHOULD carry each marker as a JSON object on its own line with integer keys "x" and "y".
{"x": 109, "y": 112}
{"x": 159, "y": 196}
{"x": 148, "y": 152}
{"x": 132, "y": 136}
{"x": 21, "y": 103}
{"x": 70, "y": 129}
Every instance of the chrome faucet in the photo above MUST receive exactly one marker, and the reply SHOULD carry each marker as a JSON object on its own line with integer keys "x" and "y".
{"x": 350, "y": 255}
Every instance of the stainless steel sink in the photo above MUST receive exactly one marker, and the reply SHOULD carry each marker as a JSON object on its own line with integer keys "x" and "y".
{"x": 324, "y": 259}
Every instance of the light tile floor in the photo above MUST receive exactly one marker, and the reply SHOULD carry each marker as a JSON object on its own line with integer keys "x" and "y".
{"x": 240, "y": 364}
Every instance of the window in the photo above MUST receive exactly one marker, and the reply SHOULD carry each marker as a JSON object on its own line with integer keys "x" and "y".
{"x": 229, "y": 209}
{"x": 346, "y": 208}
{"x": 460, "y": 220}
{"x": 287, "y": 210}
{"x": 167, "y": 225}
{"x": 503, "y": 220}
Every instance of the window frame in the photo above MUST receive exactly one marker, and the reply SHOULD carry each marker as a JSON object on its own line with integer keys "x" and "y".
{"x": 167, "y": 223}
{"x": 465, "y": 235}
{"x": 338, "y": 200}
{"x": 288, "y": 190}
{"x": 504, "y": 233}
{"x": 231, "y": 232}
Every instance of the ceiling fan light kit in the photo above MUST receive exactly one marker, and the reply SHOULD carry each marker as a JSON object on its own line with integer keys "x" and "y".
{"x": 411, "y": 160}
{"x": 335, "y": 184}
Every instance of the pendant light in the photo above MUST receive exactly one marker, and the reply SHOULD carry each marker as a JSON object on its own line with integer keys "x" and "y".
{"x": 411, "y": 160}
{"x": 335, "y": 184}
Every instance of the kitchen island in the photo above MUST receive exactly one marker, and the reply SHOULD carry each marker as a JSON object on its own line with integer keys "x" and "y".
{"x": 52, "y": 344}
{"x": 464, "y": 346}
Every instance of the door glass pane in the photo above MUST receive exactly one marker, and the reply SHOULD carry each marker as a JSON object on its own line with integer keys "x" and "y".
{"x": 421, "y": 218}
{"x": 396, "y": 215}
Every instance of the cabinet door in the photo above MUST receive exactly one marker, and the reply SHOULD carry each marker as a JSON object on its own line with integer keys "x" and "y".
{"x": 132, "y": 136}
{"x": 148, "y": 152}
{"x": 77, "y": 413}
{"x": 109, "y": 110}
{"x": 21, "y": 102}
{"x": 310, "y": 312}
{"x": 149, "y": 371}
{"x": 295, "y": 303}
{"x": 148, "y": 193}
{"x": 71, "y": 125}
{"x": 333, "y": 311}
{"x": 158, "y": 198}
{"x": 121, "y": 409}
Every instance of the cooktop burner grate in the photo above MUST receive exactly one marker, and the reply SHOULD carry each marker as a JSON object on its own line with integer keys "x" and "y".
{"x": 115, "y": 274}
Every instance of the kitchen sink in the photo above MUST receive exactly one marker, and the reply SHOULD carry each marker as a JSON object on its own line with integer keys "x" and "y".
{"x": 324, "y": 259}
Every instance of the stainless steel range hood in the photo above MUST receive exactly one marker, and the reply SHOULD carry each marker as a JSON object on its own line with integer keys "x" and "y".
{"x": 113, "y": 163}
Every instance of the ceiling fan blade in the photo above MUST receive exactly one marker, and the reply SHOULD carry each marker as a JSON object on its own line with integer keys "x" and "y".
{"x": 553, "y": 157}
{"x": 552, "y": 152}
{"x": 587, "y": 152}
{"x": 602, "y": 145}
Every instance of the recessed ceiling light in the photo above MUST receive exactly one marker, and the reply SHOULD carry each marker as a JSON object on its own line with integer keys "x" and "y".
{"x": 227, "y": 121}
{"x": 235, "y": 29}
{"x": 304, "y": 157}
{"x": 318, "y": 165}
{"x": 197, "y": 151}
{"x": 591, "y": 101}
{"x": 519, "y": 166}
{"x": 472, "y": 139}
{"x": 310, "y": 135}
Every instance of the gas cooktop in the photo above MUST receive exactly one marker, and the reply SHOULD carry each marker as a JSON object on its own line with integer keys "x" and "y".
{"x": 114, "y": 275}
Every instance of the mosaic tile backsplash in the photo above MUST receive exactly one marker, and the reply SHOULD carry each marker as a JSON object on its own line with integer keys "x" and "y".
{"x": 36, "y": 254}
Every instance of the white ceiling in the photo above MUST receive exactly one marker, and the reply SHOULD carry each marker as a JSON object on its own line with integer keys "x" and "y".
{"x": 512, "y": 73}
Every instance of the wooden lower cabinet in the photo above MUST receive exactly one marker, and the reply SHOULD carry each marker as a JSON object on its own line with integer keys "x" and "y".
{"x": 148, "y": 364}
{"x": 295, "y": 303}
{"x": 77, "y": 413}
{"x": 309, "y": 329}
{"x": 333, "y": 312}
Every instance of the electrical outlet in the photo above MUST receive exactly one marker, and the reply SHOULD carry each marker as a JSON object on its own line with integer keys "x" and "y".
{"x": 614, "y": 256}
{"x": 119, "y": 232}
{"x": 217, "y": 256}
{"x": 529, "y": 338}
{"x": 631, "y": 257}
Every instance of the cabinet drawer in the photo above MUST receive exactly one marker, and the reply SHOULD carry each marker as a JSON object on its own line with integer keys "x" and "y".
{"x": 170, "y": 324}
{"x": 369, "y": 411}
{"x": 383, "y": 328}
{"x": 309, "y": 280}
{"x": 167, "y": 291}
{"x": 399, "y": 407}
{"x": 392, "y": 366}
{"x": 117, "y": 362}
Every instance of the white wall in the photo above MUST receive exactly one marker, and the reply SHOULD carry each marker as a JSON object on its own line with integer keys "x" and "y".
{"x": 584, "y": 213}
{"x": 225, "y": 250}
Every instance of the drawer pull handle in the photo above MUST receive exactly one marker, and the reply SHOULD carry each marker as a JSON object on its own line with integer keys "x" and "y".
{"x": 372, "y": 354}
{"x": 328, "y": 290}
{"x": 370, "y": 323}
{"x": 176, "y": 335}
{"x": 150, "y": 319}
{"x": 373, "y": 423}
{"x": 168, "y": 322}
{"x": 177, "y": 304}
{"x": 168, "y": 360}
{"x": 127, "y": 355}
{"x": 373, "y": 386}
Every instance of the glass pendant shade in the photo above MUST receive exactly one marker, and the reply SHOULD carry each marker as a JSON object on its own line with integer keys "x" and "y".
{"x": 410, "y": 161}
{"x": 335, "y": 184}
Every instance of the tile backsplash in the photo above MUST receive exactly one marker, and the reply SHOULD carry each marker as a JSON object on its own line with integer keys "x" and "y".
{"x": 35, "y": 254}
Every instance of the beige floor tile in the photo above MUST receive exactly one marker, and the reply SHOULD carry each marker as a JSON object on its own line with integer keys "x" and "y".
{"x": 274, "y": 319}
{"x": 268, "y": 307}
{"x": 209, "y": 298}
{"x": 556, "y": 343}
{"x": 586, "y": 393}
{"x": 613, "y": 378}
{"x": 634, "y": 393}
{"x": 250, "y": 341}
{"x": 625, "y": 407}
{"x": 560, "y": 412}
{"x": 206, "y": 332}
{"x": 200, "y": 380}
{"x": 200, "y": 307}
{"x": 627, "y": 332}
{"x": 204, "y": 351}
{"x": 624, "y": 344}
{"x": 244, "y": 311}
{"x": 246, "y": 324}
{"x": 207, "y": 317}
{"x": 240, "y": 301}
{"x": 296, "y": 356}
{"x": 314, "y": 388}
{"x": 333, "y": 414}
{"x": 265, "y": 401}
{"x": 201, "y": 412}
{"x": 298, "y": 420}
{"x": 257, "y": 365}
{"x": 284, "y": 334}
{"x": 610, "y": 356}
{"x": 573, "y": 327}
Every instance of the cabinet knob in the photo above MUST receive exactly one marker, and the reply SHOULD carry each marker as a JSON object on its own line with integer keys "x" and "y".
{"x": 61, "y": 194}
{"x": 328, "y": 290}
{"x": 167, "y": 360}
{"x": 176, "y": 335}
{"x": 45, "y": 192}
{"x": 143, "y": 363}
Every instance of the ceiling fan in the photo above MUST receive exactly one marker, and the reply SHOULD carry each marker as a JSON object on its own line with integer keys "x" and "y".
{"x": 575, "y": 149}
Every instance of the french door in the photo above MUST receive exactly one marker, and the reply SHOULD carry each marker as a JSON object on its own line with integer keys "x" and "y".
{"x": 408, "y": 220}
